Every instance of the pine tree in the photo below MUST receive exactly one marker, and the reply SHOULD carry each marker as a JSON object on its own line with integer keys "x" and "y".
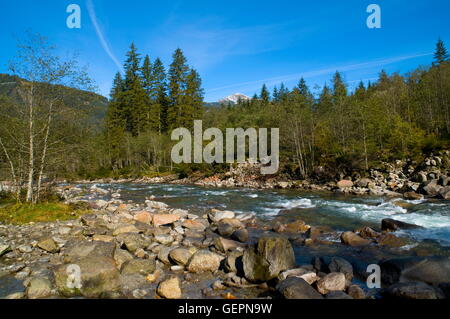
{"x": 440, "y": 54}
{"x": 264, "y": 95}
{"x": 147, "y": 76}
{"x": 160, "y": 99}
{"x": 118, "y": 86}
{"x": 132, "y": 66}
{"x": 177, "y": 85}
{"x": 194, "y": 94}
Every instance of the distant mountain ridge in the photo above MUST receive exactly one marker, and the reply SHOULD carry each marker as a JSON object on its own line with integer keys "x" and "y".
{"x": 83, "y": 101}
{"x": 234, "y": 98}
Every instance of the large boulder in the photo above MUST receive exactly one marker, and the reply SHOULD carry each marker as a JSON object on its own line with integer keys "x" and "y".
{"x": 180, "y": 255}
{"x": 432, "y": 188}
{"x": 268, "y": 258}
{"x": 341, "y": 265}
{"x": 204, "y": 260}
{"x": 217, "y": 215}
{"x": 412, "y": 196}
{"x": 389, "y": 224}
{"x": 98, "y": 277}
{"x": 49, "y": 245}
{"x": 431, "y": 270}
{"x": 445, "y": 193}
{"x": 297, "y": 288}
{"x": 334, "y": 281}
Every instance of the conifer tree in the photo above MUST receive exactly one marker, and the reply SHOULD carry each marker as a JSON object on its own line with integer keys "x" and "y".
{"x": 264, "y": 95}
{"x": 440, "y": 54}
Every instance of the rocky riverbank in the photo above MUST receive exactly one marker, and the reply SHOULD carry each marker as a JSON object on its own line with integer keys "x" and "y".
{"x": 149, "y": 250}
{"x": 429, "y": 178}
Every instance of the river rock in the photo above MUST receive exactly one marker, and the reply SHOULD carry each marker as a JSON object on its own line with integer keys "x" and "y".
{"x": 49, "y": 245}
{"x": 80, "y": 249}
{"x": 268, "y": 258}
{"x": 144, "y": 217}
{"x": 225, "y": 229}
{"x": 413, "y": 290}
{"x": 204, "y": 260}
{"x": 334, "y": 281}
{"x": 352, "y": 239}
{"x": 341, "y": 265}
{"x": 390, "y": 240}
{"x": 121, "y": 256}
{"x": 356, "y": 292}
{"x": 4, "y": 248}
{"x": 39, "y": 288}
{"x": 99, "y": 276}
{"x": 368, "y": 233}
{"x": 431, "y": 270}
{"x": 138, "y": 266}
{"x": 445, "y": 193}
{"x": 180, "y": 256}
{"x": 156, "y": 205}
{"x": 170, "y": 288}
{"x": 299, "y": 226}
{"x": 240, "y": 235}
{"x": 224, "y": 245}
{"x": 217, "y": 215}
{"x": 195, "y": 225}
{"x": 164, "y": 219}
{"x": 389, "y": 224}
{"x": 124, "y": 229}
{"x": 164, "y": 239}
{"x": 297, "y": 288}
{"x": 344, "y": 184}
{"x": 412, "y": 196}
{"x": 432, "y": 188}
{"x": 337, "y": 295}
{"x": 133, "y": 241}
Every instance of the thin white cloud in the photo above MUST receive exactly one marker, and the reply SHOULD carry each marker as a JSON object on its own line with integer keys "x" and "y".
{"x": 101, "y": 37}
{"x": 314, "y": 73}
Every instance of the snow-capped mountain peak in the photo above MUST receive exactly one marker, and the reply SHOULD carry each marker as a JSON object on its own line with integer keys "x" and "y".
{"x": 234, "y": 98}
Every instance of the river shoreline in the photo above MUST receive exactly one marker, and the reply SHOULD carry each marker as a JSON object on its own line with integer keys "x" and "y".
{"x": 150, "y": 250}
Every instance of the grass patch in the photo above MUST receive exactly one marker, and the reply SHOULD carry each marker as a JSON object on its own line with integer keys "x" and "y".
{"x": 14, "y": 213}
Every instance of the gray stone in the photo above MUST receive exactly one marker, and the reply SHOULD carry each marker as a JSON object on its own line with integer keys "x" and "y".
{"x": 170, "y": 288}
{"x": 297, "y": 288}
{"x": 138, "y": 266}
{"x": 39, "y": 288}
{"x": 204, "y": 260}
{"x": 389, "y": 224}
{"x": 341, "y": 265}
{"x": 180, "y": 256}
{"x": 268, "y": 258}
{"x": 334, "y": 281}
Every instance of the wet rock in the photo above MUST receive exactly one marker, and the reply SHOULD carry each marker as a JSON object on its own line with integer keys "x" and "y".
{"x": 39, "y": 288}
{"x": 268, "y": 258}
{"x": 352, "y": 239}
{"x": 305, "y": 274}
{"x": 49, "y": 245}
{"x": 413, "y": 290}
{"x": 240, "y": 235}
{"x": 156, "y": 205}
{"x": 99, "y": 276}
{"x": 138, "y": 266}
{"x": 225, "y": 229}
{"x": 445, "y": 193}
{"x": 337, "y": 295}
{"x": 164, "y": 219}
{"x": 279, "y": 227}
{"x": 431, "y": 270}
{"x": 334, "y": 281}
{"x": 163, "y": 255}
{"x": 368, "y": 233}
{"x": 170, "y": 288}
{"x": 132, "y": 241}
{"x": 391, "y": 240}
{"x": 389, "y": 224}
{"x": 299, "y": 226}
{"x": 233, "y": 262}
{"x": 297, "y": 288}
{"x": 25, "y": 249}
{"x": 356, "y": 292}
{"x": 412, "y": 196}
{"x": 342, "y": 266}
{"x": 180, "y": 256}
{"x": 204, "y": 260}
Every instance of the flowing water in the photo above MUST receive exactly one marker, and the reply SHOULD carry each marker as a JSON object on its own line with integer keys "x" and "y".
{"x": 336, "y": 211}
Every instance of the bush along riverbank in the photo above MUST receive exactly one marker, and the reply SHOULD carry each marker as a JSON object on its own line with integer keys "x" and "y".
{"x": 149, "y": 250}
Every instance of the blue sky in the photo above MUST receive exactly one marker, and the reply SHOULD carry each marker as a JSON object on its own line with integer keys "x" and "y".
{"x": 238, "y": 45}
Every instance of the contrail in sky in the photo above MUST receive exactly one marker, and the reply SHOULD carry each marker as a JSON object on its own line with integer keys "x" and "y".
{"x": 314, "y": 73}
{"x": 101, "y": 37}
